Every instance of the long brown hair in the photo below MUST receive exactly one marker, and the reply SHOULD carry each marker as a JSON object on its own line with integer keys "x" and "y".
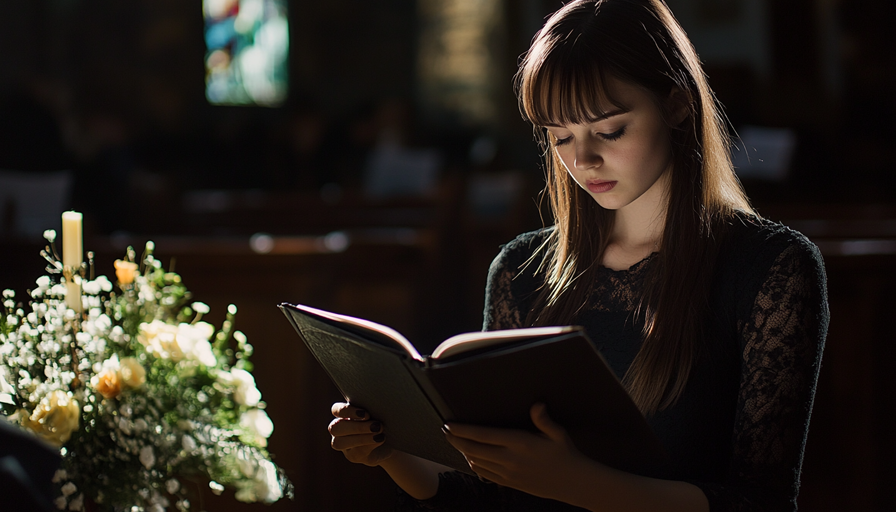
{"x": 562, "y": 80}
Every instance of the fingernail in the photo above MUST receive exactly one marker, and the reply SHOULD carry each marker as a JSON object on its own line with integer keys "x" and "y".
{"x": 376, "y": 426}
{"x": 445, "y": 429}
{"x": 361, "y": 413}
{"x": 379, "y": 437}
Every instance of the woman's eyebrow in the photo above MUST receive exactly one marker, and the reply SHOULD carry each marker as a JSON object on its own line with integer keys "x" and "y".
{"x": 601, "y": 117}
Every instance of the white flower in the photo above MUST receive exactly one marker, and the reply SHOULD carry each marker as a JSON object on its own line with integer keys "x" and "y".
{"x": 90, "y": 287}
{"x": 155, "y": 507}
{"x": 77, "y": 504}
{"x": 68, "y": 489}
{"x": 104, "y": 283}
{"x": 202, "y": 352}
{"x": 188, "y": 443}
{"x": 257, "y": 422}
{"x": 267, "y": 485}
{"x": 246, "y": 393}
{"x": 60, "y": 502}
{"x": 6, "y": 389}
{"x": 216, "y": 488}
{"x": 147, "y": 457}
{"x": 59, "y": 476}
{"x": 201, "y": 307}
{"x": 183, "y": 341}
{"x": 172, "y": 486}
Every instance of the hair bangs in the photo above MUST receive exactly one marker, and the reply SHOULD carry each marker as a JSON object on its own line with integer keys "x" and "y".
{"x": 560, "y": 85}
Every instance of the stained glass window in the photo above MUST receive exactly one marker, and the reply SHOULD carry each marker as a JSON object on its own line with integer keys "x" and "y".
{"x": 248, "y": 46}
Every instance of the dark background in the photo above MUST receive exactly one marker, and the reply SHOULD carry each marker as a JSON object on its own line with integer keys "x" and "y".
{"x": 114, "y": 92}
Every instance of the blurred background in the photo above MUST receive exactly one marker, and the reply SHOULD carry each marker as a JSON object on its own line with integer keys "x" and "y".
{"x": 369, "y": 158}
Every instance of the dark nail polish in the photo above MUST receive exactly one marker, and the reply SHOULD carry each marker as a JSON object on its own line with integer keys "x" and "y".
{"x": 376, "y": 426}
{"x": 444, "y": 430}
{"x": 379, "y": 437}
{"x": 361, "y": 413}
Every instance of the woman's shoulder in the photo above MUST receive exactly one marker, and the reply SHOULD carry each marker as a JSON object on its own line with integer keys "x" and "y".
{"x": 759, "y": 239}
{"x": 757, "y": 248}
{"x": 520, "y": 252}
{"x": 529, "y": 242}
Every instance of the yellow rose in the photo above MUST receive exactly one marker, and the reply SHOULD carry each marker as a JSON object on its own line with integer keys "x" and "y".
{"x": 125, "y": 271}
{"x": 55, "y": 418}
{"x": 107, "y": 383}
{"x": 132, "y": 373}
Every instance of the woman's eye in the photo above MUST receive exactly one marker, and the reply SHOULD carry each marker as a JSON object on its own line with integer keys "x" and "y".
{"x": 613, "y": 136}
{"x": 563, "y": 141}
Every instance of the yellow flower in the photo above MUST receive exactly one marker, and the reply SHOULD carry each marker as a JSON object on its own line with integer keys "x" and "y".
{"x": 107, "y": 383}
{"x": 132, "y": 373}
{"x": 55, "y": 418}
{"x": 125, "y": 271}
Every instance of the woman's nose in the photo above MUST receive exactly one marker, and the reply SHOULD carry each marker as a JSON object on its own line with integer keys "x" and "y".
{"x": 587, "y": 156}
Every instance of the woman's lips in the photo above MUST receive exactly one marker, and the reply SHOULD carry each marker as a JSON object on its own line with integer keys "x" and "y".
{"x": 600, "y": 186}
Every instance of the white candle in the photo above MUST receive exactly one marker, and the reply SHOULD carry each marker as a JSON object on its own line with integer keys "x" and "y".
{"x": 71, "y": 240}
{"x": 72, "y": 256}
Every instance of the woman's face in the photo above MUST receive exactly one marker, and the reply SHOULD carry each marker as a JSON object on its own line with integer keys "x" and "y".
{"x": 622, "y": 158}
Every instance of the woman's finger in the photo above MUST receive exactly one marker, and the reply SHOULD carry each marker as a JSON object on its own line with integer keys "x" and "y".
{"x": 348, "y": 411}
{"x": 544, "y": 423}
{"x": 485, "y": 435}
{"x": 370, "y": 441}
{"x": 475, "y": 449}
{"x": 344, "y": 427}
{"x": 487, "y": 471}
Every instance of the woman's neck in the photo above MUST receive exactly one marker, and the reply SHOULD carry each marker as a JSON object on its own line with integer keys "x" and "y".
{"x": 637, "y": 229}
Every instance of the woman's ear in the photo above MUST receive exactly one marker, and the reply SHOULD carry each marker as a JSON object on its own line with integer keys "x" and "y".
{"x": 678, "y": 106}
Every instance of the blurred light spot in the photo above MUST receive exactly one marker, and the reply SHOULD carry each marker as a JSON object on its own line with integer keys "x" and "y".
{"x": 261, "y": 243}
{"x": 336, "y": 241}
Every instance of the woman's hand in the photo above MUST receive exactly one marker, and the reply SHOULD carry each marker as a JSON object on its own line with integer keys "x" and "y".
{"x": 358, "y": 437}
{"x": 543, "y": 464}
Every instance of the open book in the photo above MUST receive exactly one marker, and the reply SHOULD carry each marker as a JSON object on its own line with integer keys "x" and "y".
{"x": 485, "y": 378}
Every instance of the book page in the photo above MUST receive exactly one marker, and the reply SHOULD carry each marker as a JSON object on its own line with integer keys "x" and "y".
{"x": 372, "y": 330}
{"x": 476, "y": 340}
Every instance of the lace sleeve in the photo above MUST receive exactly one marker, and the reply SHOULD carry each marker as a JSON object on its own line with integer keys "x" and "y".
{"x": 781, "y": 341}
{"x": 512, "y": 283}
{"x": 501, "y": 310}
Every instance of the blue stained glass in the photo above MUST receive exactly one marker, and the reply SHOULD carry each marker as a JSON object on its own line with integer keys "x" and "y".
{"x": 247, "y": 48}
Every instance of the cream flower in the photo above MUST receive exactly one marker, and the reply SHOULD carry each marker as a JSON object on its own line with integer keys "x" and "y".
{"x": 6, "y": 389}
{"x": 155, "y": 336}
{"x": 132, "y": 373}
{"x": 245, "y": 393}
{"x": 107, "y": 380}
{"x": 179, "y": 342}
{"x": 267, "y": 484}
{"x": 191, "y": 342}
{"x": 55, "y": 417}
{"x": 147, "y": 457}
{"x": 257, "y": 422}
{"x": 125, "y": 271}
{"x": 107, "y": 383}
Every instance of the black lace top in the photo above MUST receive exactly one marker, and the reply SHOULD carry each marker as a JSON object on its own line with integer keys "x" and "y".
{"x": 739, "y": 429}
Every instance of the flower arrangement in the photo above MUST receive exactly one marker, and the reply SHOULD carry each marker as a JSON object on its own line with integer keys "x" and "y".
{"x": 144, "y": 399}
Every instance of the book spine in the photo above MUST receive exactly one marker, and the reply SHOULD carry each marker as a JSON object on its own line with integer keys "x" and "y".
{"x": 420, "y": 374}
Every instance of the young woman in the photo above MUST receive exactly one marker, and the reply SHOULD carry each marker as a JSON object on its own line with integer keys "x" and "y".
{"x": 713, "y": 318}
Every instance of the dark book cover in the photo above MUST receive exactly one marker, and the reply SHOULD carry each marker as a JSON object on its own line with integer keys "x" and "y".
{"x": 493, "y": 385}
